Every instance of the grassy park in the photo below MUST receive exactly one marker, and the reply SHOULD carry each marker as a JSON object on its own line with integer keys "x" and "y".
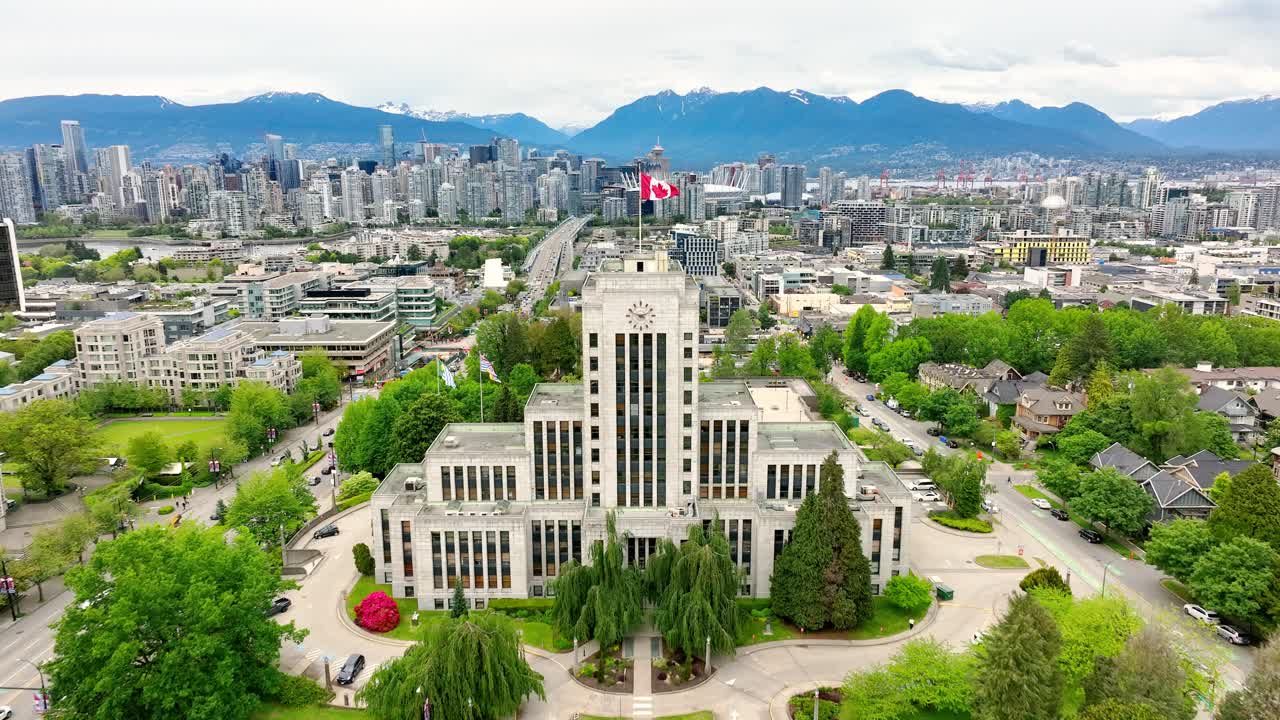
{"x": 205, "y": 432}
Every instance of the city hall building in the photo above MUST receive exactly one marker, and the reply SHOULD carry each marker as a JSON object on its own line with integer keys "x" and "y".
{"x": 504, "y": 506}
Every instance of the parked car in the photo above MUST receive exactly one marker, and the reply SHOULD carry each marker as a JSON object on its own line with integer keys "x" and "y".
{"x": 905, "y": 413}
{"x": 952, "y": 444}
{"x": 1233, "y": 636}
{"x": 313, "y": 481}
{"x": 326, "y": 469}
{"x": 10, "y": 504}
{"x": 1208, "y": 617}
{"x": 1060, "y": 514}
{"x": 861, "y": 410}
{"x": 327, "y": 531}
{"x": 279, "y": 605}
{"x": 933, "y": 432}
{"x": 1092, "y": 536}
{"x": 1042, "y": 504}
{"x": 216, "y": 516}
{"x": 350, "y": 669}
{"x": 877, "y": 422}
{"x": 871, "y": 397}
{"x": 990, "y": 506}
{"x": 924, "y": 485}
{"x": 926, "y": 496}
{"x": 328, "y": 432}
{"x": 6, "y": 712}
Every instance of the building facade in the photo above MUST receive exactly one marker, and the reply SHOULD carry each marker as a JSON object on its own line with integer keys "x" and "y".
{"x": 501, "y": 507}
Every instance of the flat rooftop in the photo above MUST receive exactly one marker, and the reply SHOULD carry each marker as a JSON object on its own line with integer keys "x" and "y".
{"x": 340, "y": 331}
{"x": 555, "y": 396}
{"x": 479, "y": 438}
{"x": 816, "y": 436}
{"x": 729, "y": 393}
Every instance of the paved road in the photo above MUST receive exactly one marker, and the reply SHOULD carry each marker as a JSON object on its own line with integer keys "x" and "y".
{"x": 31, "y": 638}
{"x": 550, "y": 258}
{"x": 1087, "y": 563}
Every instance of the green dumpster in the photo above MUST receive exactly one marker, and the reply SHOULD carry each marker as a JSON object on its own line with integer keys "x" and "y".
{"x": 945, "y": 592}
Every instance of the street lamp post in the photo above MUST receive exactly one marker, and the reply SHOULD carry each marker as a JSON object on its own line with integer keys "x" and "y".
{"x": 708, "y": 656}
{"x": 1105, "y": 568}
{"x": 43, "y": 704}
{"x": 315, "y": 410}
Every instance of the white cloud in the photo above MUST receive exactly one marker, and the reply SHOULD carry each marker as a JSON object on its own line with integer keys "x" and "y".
{"x": 574, "y": 61}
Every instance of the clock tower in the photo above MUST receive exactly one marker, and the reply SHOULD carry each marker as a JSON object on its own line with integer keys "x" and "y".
{"x": 640, "y": 333}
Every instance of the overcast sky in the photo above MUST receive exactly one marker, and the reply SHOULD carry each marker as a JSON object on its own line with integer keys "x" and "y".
{"x": 574, "y": 61}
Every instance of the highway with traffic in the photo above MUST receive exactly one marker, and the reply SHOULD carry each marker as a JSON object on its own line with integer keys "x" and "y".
{"x": 551, "y": 257}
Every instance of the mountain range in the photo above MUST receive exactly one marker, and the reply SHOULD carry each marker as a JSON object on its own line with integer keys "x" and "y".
{"x": 517, "y": 125}
{"x": 151, "y": 125}
{"x": 697, "y": 129}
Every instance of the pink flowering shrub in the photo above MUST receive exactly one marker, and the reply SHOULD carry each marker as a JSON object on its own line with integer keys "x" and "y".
{"x": 378, "y": 613}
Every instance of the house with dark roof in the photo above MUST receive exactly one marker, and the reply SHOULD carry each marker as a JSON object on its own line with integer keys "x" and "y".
{"x": 1204, "y": 467}
{"x": 1268, "y": 404}
{"x": 1241, "y": 414}
{"x": 1175, "y": 492}
{"x": 1045, "y": 411}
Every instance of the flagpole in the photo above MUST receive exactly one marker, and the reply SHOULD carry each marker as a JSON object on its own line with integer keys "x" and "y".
{"x": 640, "y": 218}
{"x": 482, "y": 396}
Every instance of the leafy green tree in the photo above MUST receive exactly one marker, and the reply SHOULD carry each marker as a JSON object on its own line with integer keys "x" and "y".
{"x": 1112, "y": 499}
{"x": 1235, "y": 578}
{"x": 504, "y": 339}
{"x": 321, "y": 378}
{"x": 558, "y": 348}
{"x": 458, "y": 603}
{"x": 1212, "y": 432}
{"x": 794, "y": 359}
{"x": 1034, "y": 338}
{"x": 1249, "y": 507}
{"x": 696, "y": 586}
{"x": 961, "y": 478}
{"x": 903, "y": 355}
{"x": 1099, "y": 386}
{"x": 363, "y": 559}
{"x": 266, "y": 502}
{"x": 1080, "y": 447}
{"x": 1084, "y": 351}
{"x": 417, "y": 427}
{"x": 909, "y": 592}
{"x": 1018, "y": 676}
{"x": 961, "y": 419}
{"x": 924, "y": 676}
{"x": 256, "y": 408}
{"x": 826, "y": 347}
{"x": 347, "y": 440}
{"x": 1176, "y": 546}
{"x": 148, "y": 453}
{"x": 45, "y": 558}
{"x": 53, "y": 347}
{"x": 855, "y": 339}
{"x": 737, "y": 334}
{"x": 1092, "y": 627}
{"x": 1148, "y": 671}
{"x": 1216, "y": 345}
{"x": 357, "y": 484}
{"x": 522, "y": 379}
{"x": 822, "y": 577}
{"x": 50, "y": 441}
{"x": 601, "y": 600}
{"x": 1163, "y": 405}
{"x": 470, "y": 668}
{"x": 1260, "y": 696}
{"x": 765, "y": 315}
{"x": 1008, "y": 444}
{"x": 763, "y": 360}
{"x": 122, "y": 651}
{"x": 1118, "y": 710}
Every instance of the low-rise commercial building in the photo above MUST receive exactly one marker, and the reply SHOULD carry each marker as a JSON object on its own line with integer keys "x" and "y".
{"x": 367, "y": 350}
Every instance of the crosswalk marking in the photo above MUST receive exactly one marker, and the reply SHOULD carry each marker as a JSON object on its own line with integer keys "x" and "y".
{"x": 642, "y": 706}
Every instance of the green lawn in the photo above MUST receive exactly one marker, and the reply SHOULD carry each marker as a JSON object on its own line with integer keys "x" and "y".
{"x": 1178, "y": 589}
{"x": 1000, "y": 561}
{"x": 108, "y": 233}
{"x": 542, "y": 635}
{"x": 11, "y": 480}
{"x": 206, "y": 433}
{"x": 752, "y": 631}
{"x": 888, "y": 619}
{"x": 699, "y": 715}
{"x": 365, "y": 586}
{"x": 314, "y": 712}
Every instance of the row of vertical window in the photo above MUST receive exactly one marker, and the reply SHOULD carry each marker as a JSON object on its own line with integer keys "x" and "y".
{"x": 790, "y": 482}
{"x": 478, "y": 482}
{"x": 477, "y": 558}
{"x": 557, "y": 460}
{"x": 723, "y": 459}
{"x": 554, "y": 543}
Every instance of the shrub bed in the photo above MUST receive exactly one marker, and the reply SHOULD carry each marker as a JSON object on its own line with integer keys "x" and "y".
{"x": 510, "y": 606}
{"x": 378, "y": 613}
{"x": 951, "y": 520}
{"x": 800, "y": 707}
{"x": 165, "y": 510}
{"x": 354, "y": 501}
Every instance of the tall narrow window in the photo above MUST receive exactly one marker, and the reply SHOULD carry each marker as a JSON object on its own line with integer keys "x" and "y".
{"x": 406, "y": 546}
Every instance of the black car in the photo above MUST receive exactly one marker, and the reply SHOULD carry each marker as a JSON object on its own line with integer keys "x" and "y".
{"x": 10, "y": 504}
{"x": 313, "y": 481}
{"x": 1093, "y": 536}
{"x": 326, "y": 531}
{"x": 326, "y": 470}
{"x": 350, "y": 669}
{"x": 933, "y": 432}
{"x": 328, "y": 432}
{"x": 1060, "y": 514}
{"x": 279, "y": 605}
{"x": 952, "y": 444}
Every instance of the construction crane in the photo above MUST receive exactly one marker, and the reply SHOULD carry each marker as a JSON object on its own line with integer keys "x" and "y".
{"x": 987, "y": 181}
{"x": 941, "y": 183}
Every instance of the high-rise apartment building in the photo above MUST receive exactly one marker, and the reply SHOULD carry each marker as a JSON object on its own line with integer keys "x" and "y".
{"x": 447, "y": 199}
{"x": 508, "y": 151}
{"x": 113, "y": 167}
{"x": 792, "y": 184}
{"x": 77, "y": 153}
{"x": 12, "y": 294}
{"x": 501, "y": 507}
{"x": 16, "y": 202}
{"x": 48, "y": 167}
{"x": 387, "y": 141}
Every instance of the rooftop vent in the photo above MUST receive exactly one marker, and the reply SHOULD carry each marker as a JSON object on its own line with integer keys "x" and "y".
{"x": 411, "y": 484}
{"x": 450, "y": 441}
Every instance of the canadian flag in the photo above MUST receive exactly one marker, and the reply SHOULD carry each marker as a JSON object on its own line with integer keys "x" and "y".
{"x": 651, "y": 189}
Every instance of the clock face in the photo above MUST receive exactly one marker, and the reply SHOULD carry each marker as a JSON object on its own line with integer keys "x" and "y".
{"x": 641, "y": 315}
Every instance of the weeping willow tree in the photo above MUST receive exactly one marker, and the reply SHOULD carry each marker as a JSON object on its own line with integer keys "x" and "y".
{"x": 696, "y": 586}
{"x": 601, "y": 600}
{"x": 474, "y": 658}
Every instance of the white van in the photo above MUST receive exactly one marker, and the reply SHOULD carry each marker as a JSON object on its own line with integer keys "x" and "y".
{"x": 924, "y": 485}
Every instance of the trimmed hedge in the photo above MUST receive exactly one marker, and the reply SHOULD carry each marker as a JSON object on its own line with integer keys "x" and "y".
{"x": 510, "y": 606}
{"x": 750, "y": 604}
{"x": 165, "y": 510}
{"x": 354, "y": 500}
{"x": 949, "y": 519}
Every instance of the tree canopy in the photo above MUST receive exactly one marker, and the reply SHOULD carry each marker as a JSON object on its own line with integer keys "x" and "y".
{"x": 601, "y": 600}
{"x": 1018, "y": 676}
{"x": 696, "y": 588}
{"x": 50, "y": 441}
{"x": 156, "y": 603}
